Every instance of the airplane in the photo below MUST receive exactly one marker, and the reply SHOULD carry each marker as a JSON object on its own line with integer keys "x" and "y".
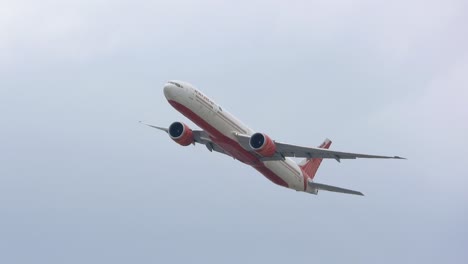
{"x": 224, "y": 133}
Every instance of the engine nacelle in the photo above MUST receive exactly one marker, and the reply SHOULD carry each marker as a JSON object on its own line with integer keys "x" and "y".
{"x": 262, "y": 144}
{"x": 181, "y": 133}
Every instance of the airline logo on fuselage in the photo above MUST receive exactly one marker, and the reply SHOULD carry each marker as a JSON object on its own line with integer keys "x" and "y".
{"x": 204, "y": 97}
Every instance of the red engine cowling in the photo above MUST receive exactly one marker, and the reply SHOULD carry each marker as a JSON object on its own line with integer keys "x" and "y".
{"x": 181, "y": 133}
{"x": 263, "y": 144}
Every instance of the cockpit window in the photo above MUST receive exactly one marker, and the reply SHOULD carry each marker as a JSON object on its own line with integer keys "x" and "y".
{"x": 176, "y": 84}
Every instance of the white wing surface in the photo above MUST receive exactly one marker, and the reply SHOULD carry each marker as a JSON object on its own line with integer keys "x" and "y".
{"x": 288, "y": 150}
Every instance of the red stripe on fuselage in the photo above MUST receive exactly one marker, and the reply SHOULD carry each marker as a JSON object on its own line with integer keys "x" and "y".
{"x": 229, "y": 145}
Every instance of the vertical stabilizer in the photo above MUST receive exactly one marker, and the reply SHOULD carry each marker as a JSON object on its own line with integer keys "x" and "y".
{"x": 310, "y": 166}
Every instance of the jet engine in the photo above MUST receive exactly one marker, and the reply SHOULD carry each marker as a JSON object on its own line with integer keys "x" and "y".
{"x": 181, "y": 133}
{"x": 262, "y": 144}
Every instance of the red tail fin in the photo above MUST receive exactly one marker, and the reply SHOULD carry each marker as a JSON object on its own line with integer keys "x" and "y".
{"x": 310, "y": 166}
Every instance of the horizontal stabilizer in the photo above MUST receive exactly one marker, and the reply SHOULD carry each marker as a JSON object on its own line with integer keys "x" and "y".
{"x": 318, "y": 186}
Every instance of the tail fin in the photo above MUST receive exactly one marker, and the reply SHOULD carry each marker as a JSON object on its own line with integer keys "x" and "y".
{"x": 310, "y": 166}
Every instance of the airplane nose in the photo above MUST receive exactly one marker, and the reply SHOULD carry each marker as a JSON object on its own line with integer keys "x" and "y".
{"x": 169, "y": 91}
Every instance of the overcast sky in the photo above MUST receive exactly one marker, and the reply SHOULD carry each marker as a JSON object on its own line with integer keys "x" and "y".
{"x": 82, "y": 182}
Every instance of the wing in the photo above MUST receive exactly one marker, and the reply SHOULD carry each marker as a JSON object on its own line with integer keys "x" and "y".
{"x": 289, "y": 150}
{"x": 160, "y": 128}
{"x": 318, "y": 186}
{"x": 200, "y": 137}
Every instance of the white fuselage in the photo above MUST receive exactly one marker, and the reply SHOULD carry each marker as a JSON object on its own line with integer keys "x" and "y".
{"x": 221, "y": 127}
